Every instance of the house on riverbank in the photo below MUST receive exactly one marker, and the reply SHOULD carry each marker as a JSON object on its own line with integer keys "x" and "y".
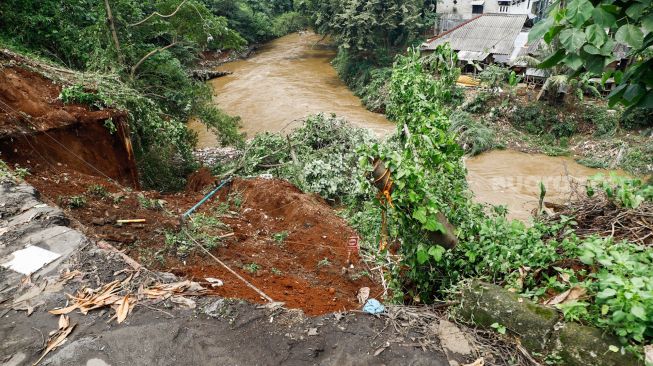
{"x": 487, "y": 38}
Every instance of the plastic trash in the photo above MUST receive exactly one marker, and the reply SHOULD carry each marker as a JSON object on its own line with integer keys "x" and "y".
{"x": 373, "y": 306}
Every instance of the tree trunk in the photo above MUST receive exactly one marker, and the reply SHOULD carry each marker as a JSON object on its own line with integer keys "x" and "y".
{"x": 114, "y": 35}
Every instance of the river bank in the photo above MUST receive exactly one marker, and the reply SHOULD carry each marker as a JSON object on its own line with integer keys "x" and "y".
{"x": 292, "y": 77}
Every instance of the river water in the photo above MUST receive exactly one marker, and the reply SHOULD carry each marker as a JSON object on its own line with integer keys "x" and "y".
{"x": 291, "y": 77}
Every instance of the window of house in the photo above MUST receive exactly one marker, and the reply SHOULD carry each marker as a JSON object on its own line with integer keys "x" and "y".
{"x": 477, "y": 9}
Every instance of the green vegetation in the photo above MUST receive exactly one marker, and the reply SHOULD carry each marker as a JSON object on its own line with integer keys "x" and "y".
{"x": 280, "y": 237}
{"x": 324, "y": 162}
{"x": 584, "y": 34}
{"x": 252, "y": 268}
{"x": 76, "y": 202}
{"x": 203, "y": 228}
{"x": 12, "y": 174}
{"x": 137, "y": 60}
{"x": 324, "y": 263}
{"x": 368, "y": 35}
{"x": 259, "y": 21}
{"x": 98, "y": 191}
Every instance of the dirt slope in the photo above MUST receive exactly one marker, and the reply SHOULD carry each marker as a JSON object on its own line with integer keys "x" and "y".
{"x": 38, "y": 131}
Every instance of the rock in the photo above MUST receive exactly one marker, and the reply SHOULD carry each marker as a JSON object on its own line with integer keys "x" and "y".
{"x": 453, "y": 343}
{"x": 579, "y": 345}
{"x": 215, "y": 309}
{"x": 541, "y": 329}
{"x": 486, "y": 304}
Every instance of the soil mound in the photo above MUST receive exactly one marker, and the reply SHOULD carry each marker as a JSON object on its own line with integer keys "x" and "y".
{"x": 289, "y": 244}
{"x": 199, "y": 180}
{"x": 38, "y": 131}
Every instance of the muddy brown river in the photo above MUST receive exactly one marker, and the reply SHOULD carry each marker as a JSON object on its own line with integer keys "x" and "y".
{"x": 291, "y": 77}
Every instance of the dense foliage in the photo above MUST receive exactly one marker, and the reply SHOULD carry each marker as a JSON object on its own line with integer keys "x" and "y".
{"x": 538, "y": 262}
{"x": 259, "y": 21}
{"x": 319, "y": 157}
{"x": 586, "y": 33}
{"x": 140, "y": 56}
{"x": 368, "y": 35}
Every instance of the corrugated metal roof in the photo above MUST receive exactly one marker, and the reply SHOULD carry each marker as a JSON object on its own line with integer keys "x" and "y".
{"x": 491, "y": 33}
{"x": 472, "y": 55}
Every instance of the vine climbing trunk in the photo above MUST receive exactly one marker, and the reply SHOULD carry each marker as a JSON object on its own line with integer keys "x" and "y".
{"x": 114, "y": 34}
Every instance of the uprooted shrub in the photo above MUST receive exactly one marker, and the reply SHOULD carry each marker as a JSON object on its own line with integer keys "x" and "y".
{"x": 319, "y": 157}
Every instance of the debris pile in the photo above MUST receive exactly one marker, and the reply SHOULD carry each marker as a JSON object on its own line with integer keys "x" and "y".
{"x": 598, "y": 215}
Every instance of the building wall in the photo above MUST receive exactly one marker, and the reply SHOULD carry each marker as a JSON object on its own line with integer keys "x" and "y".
{"x": 462, "y": 9}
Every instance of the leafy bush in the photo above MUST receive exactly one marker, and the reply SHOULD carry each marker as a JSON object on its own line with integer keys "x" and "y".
{"x": 473, "y": 136}
{"x": 639, "y": 160}
{"x": 77, "y": 94}
{"x": 605, "y": 122}
{"x": 637, "y": 118}
{"x": 477, "y": 105}
{"x": 288, "y": 23}
{"x": 494, "y": 76}
{"x": 325, "y": 151}
{"x": 539, "y": 119}
{"x": 564, "y": 127}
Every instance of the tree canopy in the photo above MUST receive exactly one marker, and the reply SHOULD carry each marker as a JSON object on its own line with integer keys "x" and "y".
{"x": 586, "y": 33}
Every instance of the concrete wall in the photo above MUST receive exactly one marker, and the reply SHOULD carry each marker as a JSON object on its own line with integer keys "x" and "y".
{"x": 463, "y": 8}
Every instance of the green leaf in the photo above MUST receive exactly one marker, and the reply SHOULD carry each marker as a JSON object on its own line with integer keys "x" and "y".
{"x": 608, "y": 292}
{"x": 591, "y": 49}
{"x": 647, "y": 23}
{"x": 603, "y": 18}
{"x": 595, "y": 35}
{"x": 432, "y": 224}
{"x": 573, "y": 61}
{"x": 548, "y": 36}
{"x": 420, "y": 214}
{"x": 639, "y": 311}
{"x": 579, "y": 11}
{"x": 630, "y": 35}
{"x": 572, "y": 39}
{"x": 422, "y": 256}
{"x": 436, "y": 252}
{"x": 539, "y": 29}
{"x": 593, "y": 63}
{"x": 604, "y": 309}
{"x": 635, "y": 11}
{"x": 552, "y": 60}
{"x": 634, "y": 92}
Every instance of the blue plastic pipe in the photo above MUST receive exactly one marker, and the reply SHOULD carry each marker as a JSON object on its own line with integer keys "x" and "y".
{"x": 206, "y": 198}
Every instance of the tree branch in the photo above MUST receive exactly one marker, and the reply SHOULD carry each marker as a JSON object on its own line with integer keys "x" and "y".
{"x": 156, "y": 13}
{"x": 114, "y": 35}
{"x": 150, "y": 54}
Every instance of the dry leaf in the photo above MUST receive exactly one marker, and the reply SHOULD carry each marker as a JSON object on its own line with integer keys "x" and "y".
{"x": 183, "y": 301}
{"x": 65, "y": 310}
{"x": 648, "y": 354}
{"x": 572, "y": 294}
{"x": 381, "y": 349}
{"x": 57, "y": 338}
{"x": 64, "y": 322}
{"x": 123, "y": 310}
{"x": 479, "y": 362}
{"x": 363, "y": 294}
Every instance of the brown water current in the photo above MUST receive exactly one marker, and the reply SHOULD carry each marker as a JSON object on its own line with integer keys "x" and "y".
{"x": 291, "y": 77}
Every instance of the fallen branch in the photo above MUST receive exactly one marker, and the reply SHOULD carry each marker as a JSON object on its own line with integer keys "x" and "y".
{"x": 156, "y": 13}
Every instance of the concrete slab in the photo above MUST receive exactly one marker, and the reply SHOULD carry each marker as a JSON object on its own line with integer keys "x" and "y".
{"x": 29, "y": 260}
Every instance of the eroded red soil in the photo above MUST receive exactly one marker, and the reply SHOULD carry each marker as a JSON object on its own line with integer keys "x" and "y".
{"x": 307, "y": 269}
